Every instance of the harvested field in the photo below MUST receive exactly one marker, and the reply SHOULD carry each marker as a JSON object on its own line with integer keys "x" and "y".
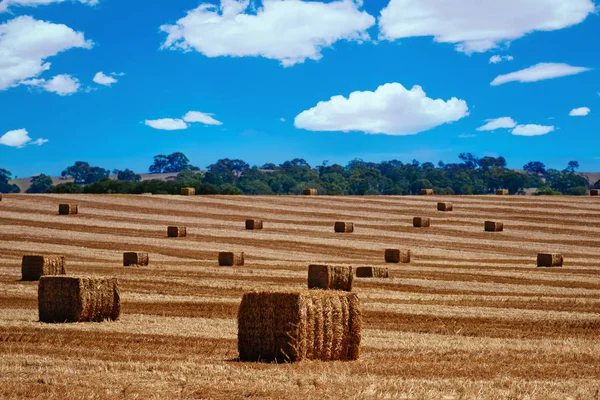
{"x": 472, "y": 316}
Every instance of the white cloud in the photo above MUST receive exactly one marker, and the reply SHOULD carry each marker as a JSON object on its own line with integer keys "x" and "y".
{"x": 25, "y": 43}
{"x": 478, "y": 26}
{"x": 467, "y": 135}
{"x": 539, "y": 72}
{"x": 391, "y": 110}
{"x": 19, "y": 138}
{"x": 532, "y": 130}
{"x": 282, "y": 119}
{"x": 102, "y": 79}
{"x": 498, "y": 123}
{"x": 498, "y": 59}
{"x": 62, "y": 85}
{"x": 167, "y": 124}
{"x": 580, "y": 112}
{"x": 290, "y": 31}
{"x": 197, "y": 116}
{"x": 5, "y": 4}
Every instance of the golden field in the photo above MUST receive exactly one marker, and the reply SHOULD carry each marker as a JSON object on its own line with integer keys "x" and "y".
{"x": 470, "y": 317}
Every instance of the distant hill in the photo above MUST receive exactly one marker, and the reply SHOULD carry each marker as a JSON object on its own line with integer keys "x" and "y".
{"x": 25, "y": 183}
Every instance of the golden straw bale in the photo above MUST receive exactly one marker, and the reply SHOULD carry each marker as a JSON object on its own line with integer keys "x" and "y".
{"x": 549, "y": 260}
{"x": 343, "y": 227}
{"x": 252, "y": 224}
{"x": 231, "y": 258}
{"x": 426, "y": 192}
{"x": 34, "y": 267}
{"x": 397, "y": 256}
{"x": 593, "y": 192}
{"x": 372, "y": 272}
{"x": 310, "y": 192}
{"x": 291, "y": 326}
{"x": 330, "y": 277}
{"x": 491, "y": 226}
{"x": 68, "y": 209}
{"x": 421, "y": 222}
{"x": 0, "y": 196}
{"x": 445, "y": 206}
{"x": 135, "y": 259}
{"x": 188, "y": 191}
{"x": 177, "y": 231}
{"x": 69, "y": 299}
{"x": 502, "y": 192}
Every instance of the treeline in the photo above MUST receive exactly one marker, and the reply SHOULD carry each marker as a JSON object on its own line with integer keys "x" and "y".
{"x": 470, "y": 176}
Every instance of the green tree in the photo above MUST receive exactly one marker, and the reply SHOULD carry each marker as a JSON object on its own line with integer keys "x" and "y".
{"x": 127, "y": 175}
{"x": 6, "y": 187}
{"x": 176, "y": 162}
{"x": 83, "y": 173}
{"x": 40, "y": 184}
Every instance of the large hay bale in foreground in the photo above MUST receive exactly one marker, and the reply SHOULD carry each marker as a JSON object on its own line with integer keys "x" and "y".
{"x": 295, "y": 326}
{"x": 252, "y": 224}
{"x": 502, "y": 192}
{"x": 343, "y": 227}
{"x": 397, "y": 256}
{"x": 34, "y": 267}
{"x": 492, "y": 226}
{"x": 0, "y": 196}
{"x": 176, "y": 231}
{"x": 188, "y": 191}
{"x": 69, "y": 299}
{"x": 330, "y": 277}
{"x": 68, "y": 209}
{"x": 593, "y": 192}
{"x": 310, "y": 192}
{"x": 426, "y": 192}
{"x": 372, "y": 272}
{"x": 135, "y": 259}
{"x": 549, "y": 260}
{"x": 445, "y": 206}
{"x": 231, "y": 258}
{"x": 421, "y": 222}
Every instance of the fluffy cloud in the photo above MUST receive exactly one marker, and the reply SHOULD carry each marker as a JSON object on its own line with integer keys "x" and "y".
{"x": 290, "y": 31}
{"x": 539, "y": 72}
{"x": 580, "y": 112}
{"x": 532, "y": 130}
{"x": 498, "y": 59}
{"x": 101, "y": 79}
{"x": 197, "y": 116}
{"x": 478, "y": 26}
{"x": 166, "y": 124}
{"x": 19, "y": 138}
{"x": 62, "y": 85}
{"x": 25, "y": 43}
{"x": 5, "y": 4}
{"x": 498, "y": 123}
{"x": 391, "y": 110}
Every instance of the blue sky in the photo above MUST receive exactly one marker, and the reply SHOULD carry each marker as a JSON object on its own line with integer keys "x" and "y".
{"x": 270, "y": 81}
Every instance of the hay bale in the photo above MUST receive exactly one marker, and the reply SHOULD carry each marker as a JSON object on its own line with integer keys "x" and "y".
{"x": 397, "y": 256}
{"x": 491, "y": 226}
{"x": 501, "y": 192}
{"x": 67, "y": 209}
{"x": 0, "y": 196}
{"x": 372, "y": 272}
{"x": 296, "y": 326}
{"x": 231, "y": 258}
{"x": 310, "y": 192}
{"x": 188, "y": 191}
{"x": 593, "y": 192}
{"x": 34, "y": 267}
{"x": 135, "y": 259}
{"x": 426, "y": 192}
{"x": 176, "y": 231}
{"x": 330, "y": 277}
{"x": 252, "y": 224}
{"x": 343, "y": 227}
{"x": 421, "y": 222}
{"x": 445, "y": 206}
{"x": 69, "y": 299}
{"x": 549, "y": 260}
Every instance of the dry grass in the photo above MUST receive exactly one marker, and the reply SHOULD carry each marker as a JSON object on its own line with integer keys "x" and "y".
{"x": 471, "y": 317}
